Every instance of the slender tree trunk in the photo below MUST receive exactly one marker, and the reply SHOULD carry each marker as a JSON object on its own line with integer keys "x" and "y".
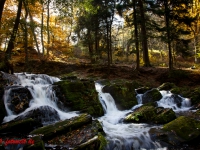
{"x": 168, "y": 34}
{"x": 48, "y": 30}
{"x": 144, "y": 36}
{"x": 136, "y": 36}
{"x": 14, "y": 33}
{"x": 107, "y": 45}
{"x": 42, "y": 27}
{"x": 32, "y": 27}
{"x": 2, "y": 3}
{"x": 26, "y": 40}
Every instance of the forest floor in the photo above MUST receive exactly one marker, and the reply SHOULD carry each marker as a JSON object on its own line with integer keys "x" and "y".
{"x": 147, "y": 76}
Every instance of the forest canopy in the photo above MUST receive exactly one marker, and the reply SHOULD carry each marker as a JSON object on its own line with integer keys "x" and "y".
{"x": 139, "y": 32}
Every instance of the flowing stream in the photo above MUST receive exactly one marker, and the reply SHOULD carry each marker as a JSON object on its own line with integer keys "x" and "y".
{"x": 40, "y": 87}
{"x": 121, "y": 136}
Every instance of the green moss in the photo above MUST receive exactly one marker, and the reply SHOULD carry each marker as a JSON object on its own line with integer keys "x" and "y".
{"x": 103, "y": 141}
{"x": 184, "y": 127}
{"x": 123, "y": 93}
{"x": 149, "y": 113}
{"x": 82, "y": 96}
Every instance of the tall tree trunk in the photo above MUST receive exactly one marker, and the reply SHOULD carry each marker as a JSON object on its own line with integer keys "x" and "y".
{"x": 26, "y": 40}
{"x": 42, "y": 27}
{"x": 168, "y": 34}
{"x": 14, "y": 33}
{"x": 48, "y": 30}
{"x": 144, "y": 36}
{"x": 2, "y": 2}
{"x": 136, "y": 36}
{"x": 32, "y": 27}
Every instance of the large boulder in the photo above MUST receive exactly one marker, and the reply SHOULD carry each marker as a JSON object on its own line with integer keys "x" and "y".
{"x": 123, "y": 92}
{"x": 43, "y": 114}
{"x": 151, "y": 96}
{"x": 79, "y": 96}
{"x": 151, "y": 114}
{"x": 182, "y": 129}
{"x": 19, "y": 98}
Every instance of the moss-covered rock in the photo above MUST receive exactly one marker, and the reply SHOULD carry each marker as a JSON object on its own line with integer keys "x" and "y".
{"x": 183, "y": 128}
{"x": 123, "y": 93}
{"x": 166, "y": 86}
{"x": 149, "y": 113}
{"x": 89, "y": 136}
{"x": 151, "y": 96}
{"x": 22, "y": 126}
{"x": 79, "y": 96}
{"x": 62, "y": 127}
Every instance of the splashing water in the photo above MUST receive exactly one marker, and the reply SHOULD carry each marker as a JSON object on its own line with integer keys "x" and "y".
{"x": 123, "y": 136}
{"x": 40, "y": 87}
{"x": 175, "y": 102}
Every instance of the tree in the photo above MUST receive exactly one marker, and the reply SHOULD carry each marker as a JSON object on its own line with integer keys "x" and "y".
{"x": 177, "y": 22}
{"x": 144, "y": 35}
{"x": 2, "y": 2}
{"x": 14, "y": 33}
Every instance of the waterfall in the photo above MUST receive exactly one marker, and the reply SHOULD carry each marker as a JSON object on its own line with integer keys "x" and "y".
{"x": 123, "y": 136}
{"x": 175, "y": 102}
{"x": 40, "y": 87}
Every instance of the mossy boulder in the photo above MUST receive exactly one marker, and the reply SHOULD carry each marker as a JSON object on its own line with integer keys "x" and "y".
{"x": 166, "y": 86}
{"x": 123, "y": 92}
{"x": 184, "y": 129}
{"x": 151, "y": 114}
{"x": 195, "y": 96}
{"x": 79, "y": 96}
{"x": 142, "y": 90}
{"x": 19, "y": 127}
{"x": 151, "y": 96}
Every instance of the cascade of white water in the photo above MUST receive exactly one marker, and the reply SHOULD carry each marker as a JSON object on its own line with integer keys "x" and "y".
{"x": 40, "y": 87}
{"x": 169, "y": 101}
{"x": 122, "y": 136}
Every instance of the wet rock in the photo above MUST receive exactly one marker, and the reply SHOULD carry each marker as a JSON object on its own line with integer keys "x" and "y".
{"x": 151, "y": 96}
{"x": 18, "y": 127}
{"x": 43, "y": 114}
{"x": 183, "y": 129}
{"x": 151, "y": 114}
{"x": 123, "y": 93}
{"x": 166, "y": 86}
{"x": 88, "y": 136}
{"x": 79, "y": 96}
{"x": 19, "y": 98}
{"x": 62, "y": 127}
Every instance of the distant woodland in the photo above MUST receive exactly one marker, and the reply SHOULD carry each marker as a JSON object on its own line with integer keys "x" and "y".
{"x": 147, "y": 33}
